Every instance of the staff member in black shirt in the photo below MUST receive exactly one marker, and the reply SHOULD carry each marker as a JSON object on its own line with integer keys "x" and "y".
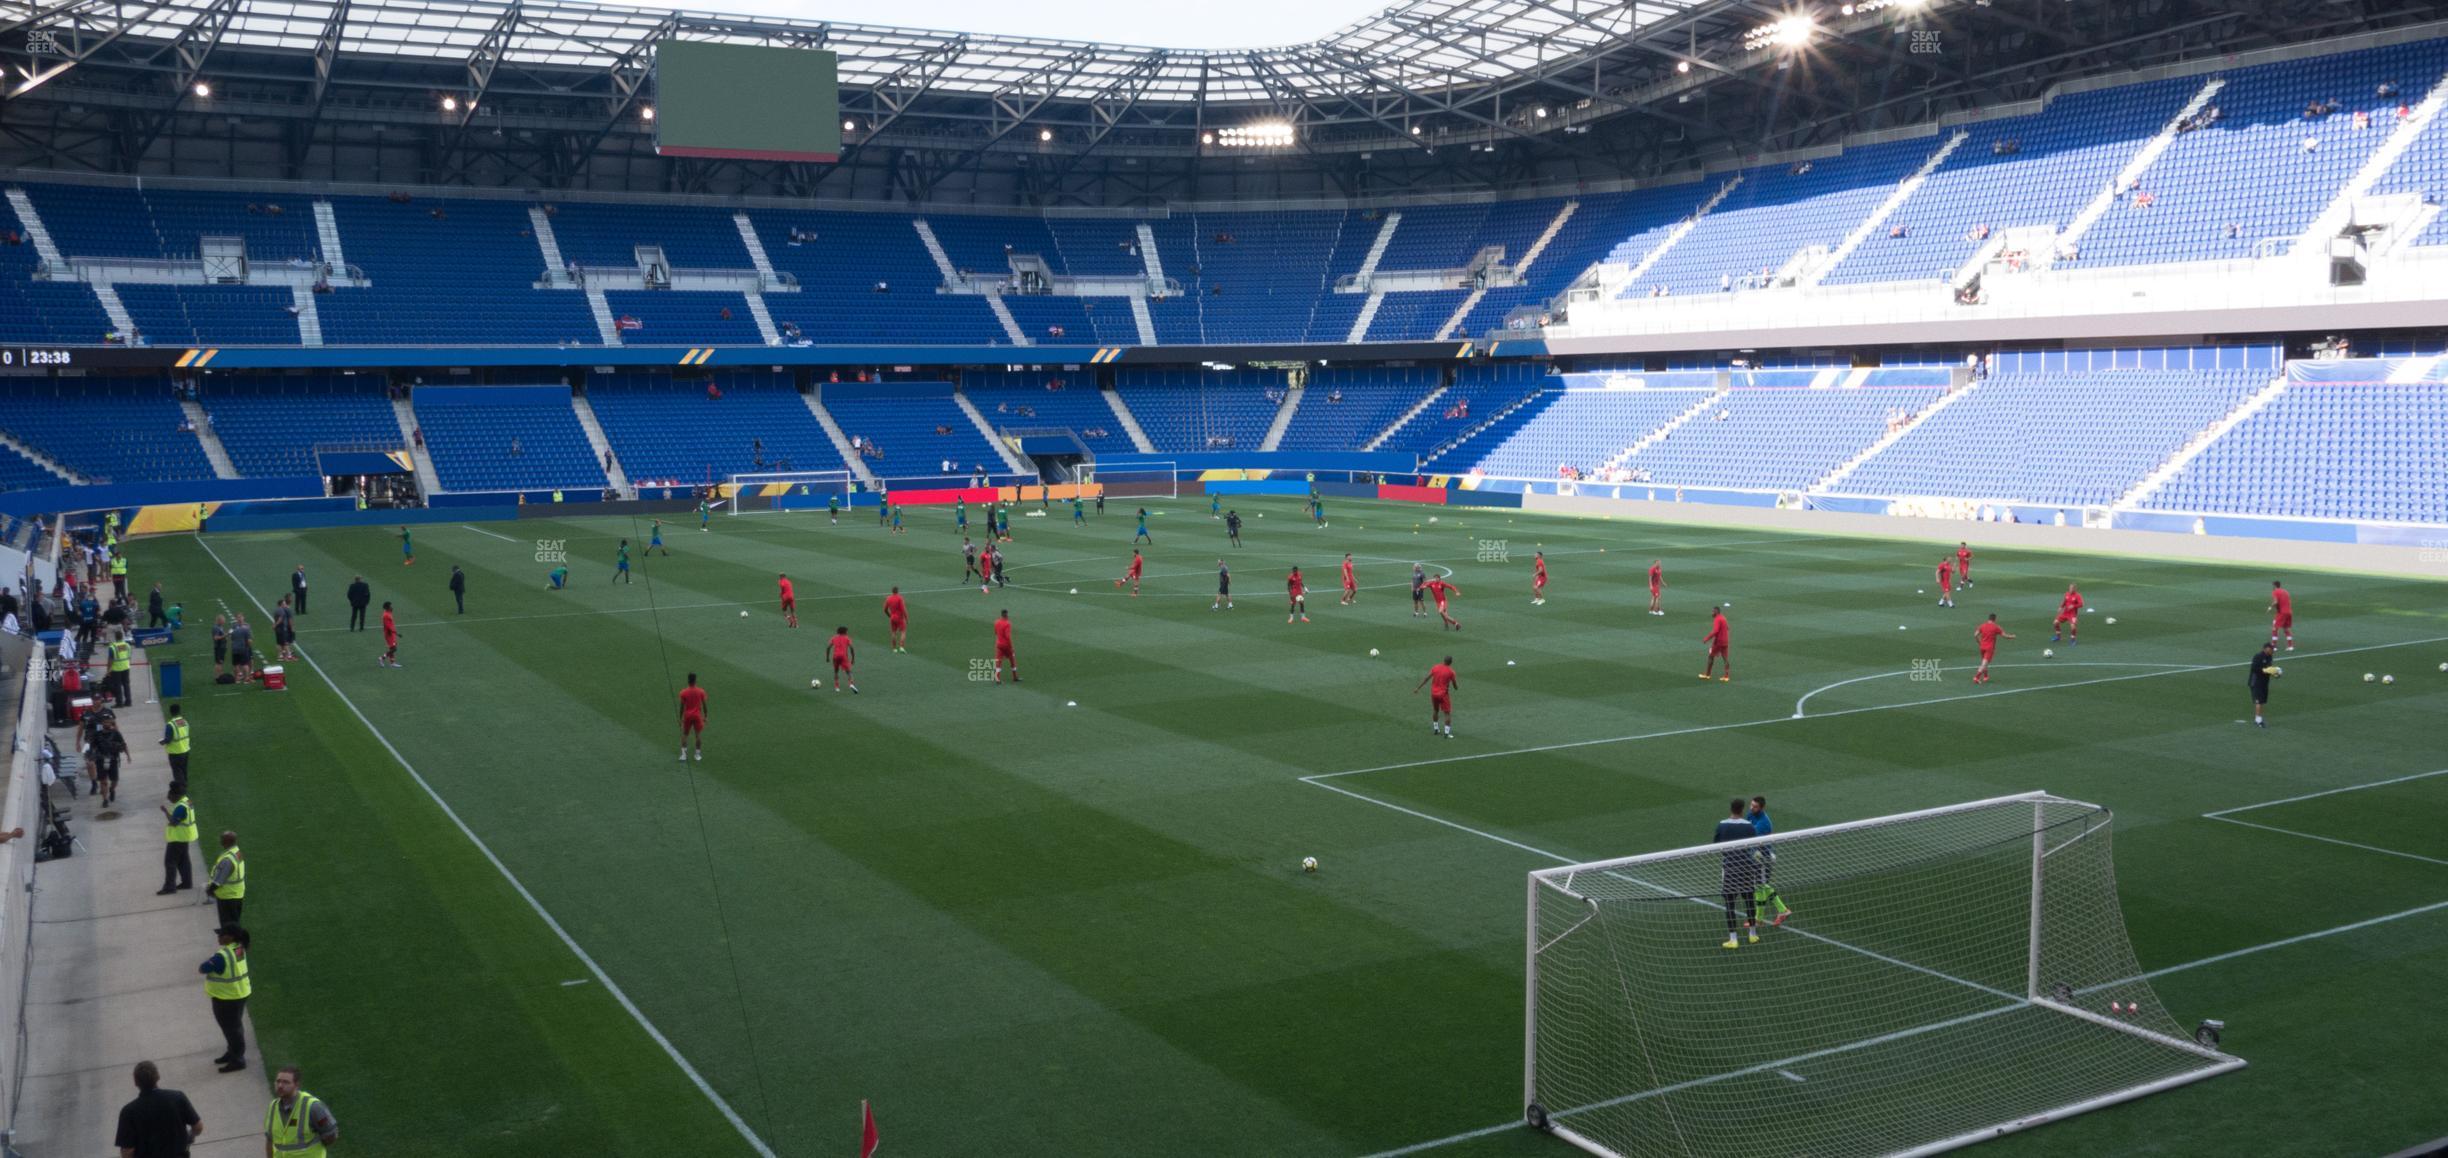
{"x": 458, "y": 585}
{"x": 2257, "y": 677}
{"x": 359, "y": 595}
{"x": 159, "y": 1123}
{"x": 297, "y": 588}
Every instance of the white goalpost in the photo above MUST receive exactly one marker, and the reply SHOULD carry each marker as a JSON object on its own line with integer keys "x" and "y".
{"x": 1160, "y": 479}
{"x": 787, "y": 490}
{"x": 1945, "y": 977}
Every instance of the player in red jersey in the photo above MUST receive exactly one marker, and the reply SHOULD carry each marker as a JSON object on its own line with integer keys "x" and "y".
{"x": 896, "y": 621}
{"x": 986, "y": 561}
{"x": 1657, "y": 586}
{"x": 1351, "y": 583}
{"x": 1438, "y": 589}
{"x": 1718, "y": 639}
{"x": 790, "y": 601}
{"x": 843, "y": 655}
{"x": 692, "y": 718}
{"x": 1538, "y": 580}
{"x": 1963, "y": 562}
{"x": 1439, "y": 681}
{"x": 1988, "y": 634}
{"x": 1946, "y": 582}
{"x": 1299, "y": 592}
{"x": 2068, "y": 624}
{"x": 390, "y": 655}
{"x": 1138, "y": 565}
{"x": 2282, "y": 614}
{"x": 1003, "y": 648}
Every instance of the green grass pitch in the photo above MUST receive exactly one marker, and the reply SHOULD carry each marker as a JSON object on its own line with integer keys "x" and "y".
{"x": 1022, "y": 927}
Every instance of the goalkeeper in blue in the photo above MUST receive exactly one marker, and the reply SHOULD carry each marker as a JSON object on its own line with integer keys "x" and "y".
{"x": 1742, "y": 877}
{"x": 1766, "y": 894}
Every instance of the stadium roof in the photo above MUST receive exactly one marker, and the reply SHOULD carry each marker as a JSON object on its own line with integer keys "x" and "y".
{"x": 1423, "y": 45}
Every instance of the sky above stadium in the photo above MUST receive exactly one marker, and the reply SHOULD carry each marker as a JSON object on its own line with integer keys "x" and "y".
{"x": 1240, "y": 24}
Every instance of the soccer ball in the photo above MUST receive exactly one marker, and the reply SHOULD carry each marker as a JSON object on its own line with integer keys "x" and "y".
{"x": 1075, "y": 591}
{"x": 2112, "y": 621}
{"x": 816, "y": 683}
{"x": 1899, "y": 627}
{"x": 2388, "y": 679}
{"x": 1920, "y": 591}
{"x": 1070, "y": 703}
{"x": 1432, "y": 520}
{"x": 2369, "y": 677}
{"x": 1373, "y": 651}
{"x": 2048, "y": 653}
{"x": 1508, "y": 663}
{"x": 1308, "y": 864}
{"x": 2444, "y": 667}
{"x": 743, "y": 615}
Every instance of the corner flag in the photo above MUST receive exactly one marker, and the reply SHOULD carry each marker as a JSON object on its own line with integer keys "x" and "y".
{"x": 867, "y": 1131}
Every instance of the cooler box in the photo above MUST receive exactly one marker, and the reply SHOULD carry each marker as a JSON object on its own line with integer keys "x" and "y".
{"x": 167, "y": 672}
{"x": 275, "y": 679}
{"x": 78, "y": 706}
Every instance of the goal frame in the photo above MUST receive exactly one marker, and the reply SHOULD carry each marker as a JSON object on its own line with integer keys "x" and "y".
{"x": 734, "y": 485}
{"x": 1542, "y": 1118}
{"x": 1169, "y": 468}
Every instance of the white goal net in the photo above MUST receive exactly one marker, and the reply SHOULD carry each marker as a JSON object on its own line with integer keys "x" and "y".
{"x": 789, "y": 490}
{"x": 1943, "y": 977}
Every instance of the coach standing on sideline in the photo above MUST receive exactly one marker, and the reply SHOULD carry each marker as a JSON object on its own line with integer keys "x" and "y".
{"x": 297, "y": 588}
{"x": 458, "y": 584}
{"x": 359, "y": 595}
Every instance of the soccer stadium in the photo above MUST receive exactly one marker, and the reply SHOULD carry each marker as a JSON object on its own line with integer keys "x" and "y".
{"x": 798, "y": 580}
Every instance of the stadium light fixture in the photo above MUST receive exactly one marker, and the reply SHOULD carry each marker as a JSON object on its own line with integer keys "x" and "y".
{"x": 1415, "y": 130}
{"x": 450, "y": 104}
{"x": 1790, "y": 32}
{"x": 202, "y": 89}
{"x": 1682, "y": 66}
{"x": 1263, "y": 134}
{"x": 1539, "y": 112}
{"x": 647, "y": 112}
{"x": 1206, "y": 138}
{"x": 849, "y": 126}
{"x": 1044, "y": 135}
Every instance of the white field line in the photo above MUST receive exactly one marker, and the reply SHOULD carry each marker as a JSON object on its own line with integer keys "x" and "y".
{"x": 486, "y": 533}
{"x": 2328, "y": 792}
{"x": 2330, "y": 840}
{"x": 740, "y": 1124}
{"x": 1570, "y": 744}
{"x": 1888, "y": 675}
{"x": 2227, "y": 815}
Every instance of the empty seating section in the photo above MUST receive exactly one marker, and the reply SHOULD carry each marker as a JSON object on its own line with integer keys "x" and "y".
{"x": 2423, "y": 172}
{"x": 19, "y": 473}
{"x": 1774, "y": 438}
{"x": 1193, "y": 410}
{"x": 1016, "y": 400}
{"x": 1605, "y": 222}
{"x": 42, "y": 311}
{"x": 446, "y": 272}
{"x": 916, "y": 426}
{"x": 2072, "y": 439}
{"x": 668, "y": 430}
{"x": 272, "y": 425}
{"x": 1103, "y": 246}
{"x": 1478, "y": 394}
{"x": 691, "y": 236}
{"x": 1449, "y": 236}
{"x": 2252, "y": 168}
{"x": 116, "y": 432}
{"x": 840, "y": 258}
{"x": 1779, "y": 210}
{"x": 681, "y": 317}
{"x": 1257, "y": 277}
{"x": 98, "y": 221}
{"x": 498, "y": 438}
{"x": 1583, "y": 429}
{"x": 1344, "y": 407}
{"x": 1082, "y": 321}
{"x": 985, "y": 244}
{"x": 1412, "y": 316}
{"x": 2367, "y": 451}
{"x": 205, "y": 315}
{"x": 2037, "y": 170}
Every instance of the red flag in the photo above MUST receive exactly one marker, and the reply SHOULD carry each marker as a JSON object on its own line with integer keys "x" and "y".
{"x": 867, "y": 1131}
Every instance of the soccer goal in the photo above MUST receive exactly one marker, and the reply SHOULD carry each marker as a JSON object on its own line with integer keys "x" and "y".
{"x": 789, "y": 490}
{"x": 1137, "y": 480}
{"x": 1945, "y": 977}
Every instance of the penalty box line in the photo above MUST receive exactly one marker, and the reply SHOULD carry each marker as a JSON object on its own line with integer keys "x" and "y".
{"x": 1701, "y": 728}
{"x": 746, "y": 1133}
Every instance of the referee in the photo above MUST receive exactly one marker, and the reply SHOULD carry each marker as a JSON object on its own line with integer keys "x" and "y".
{"x": 1742, "y": 876}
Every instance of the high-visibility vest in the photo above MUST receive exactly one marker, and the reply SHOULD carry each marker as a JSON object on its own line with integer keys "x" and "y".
{"x": 235, "y": 890}
{"x": 175, "y": 832}
{"x": 178, "y": 738}
{"x": 119, "y": 656}
{"x": 556, "y": 496}
{"x": 294, "y": 1134}
{"x": 232, "y": 983}
{"x": 119, "y": 566}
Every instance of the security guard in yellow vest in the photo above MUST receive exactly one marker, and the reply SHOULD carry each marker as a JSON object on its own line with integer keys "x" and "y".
{"x": 178, "y": 837}
{"x": 226, "y": 981}
{"x": 116, "y": 683}
{"x": 297, "y": 1122}
{"x": 175, "y": 742}
{"x": 119, "y": 573}
{"x": 227, "y": 884}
